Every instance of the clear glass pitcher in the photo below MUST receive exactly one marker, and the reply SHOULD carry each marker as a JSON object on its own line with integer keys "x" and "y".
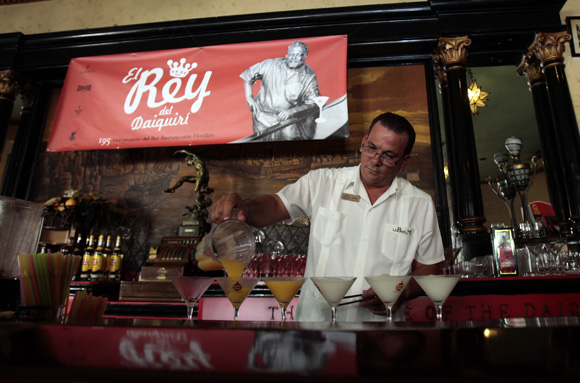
{"x": 230, "y": 243}
{"x": 20, "y": 228}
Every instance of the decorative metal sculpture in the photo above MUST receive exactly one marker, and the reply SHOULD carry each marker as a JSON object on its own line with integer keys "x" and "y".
{"x": 519, "y": 177}
{"x": 197, "y": 216}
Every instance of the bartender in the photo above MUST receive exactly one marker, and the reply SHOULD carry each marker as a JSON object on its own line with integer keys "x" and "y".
{"x": 365, "y": 221}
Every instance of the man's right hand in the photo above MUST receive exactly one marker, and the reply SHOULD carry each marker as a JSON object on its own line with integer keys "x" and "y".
{"x": 222, "y": 209}
{"x": 255, "y": 107}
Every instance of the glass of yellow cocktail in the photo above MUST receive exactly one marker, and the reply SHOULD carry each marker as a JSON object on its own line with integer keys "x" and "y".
{"x": 237, "y": 290}
{"x": 284, "y": 290}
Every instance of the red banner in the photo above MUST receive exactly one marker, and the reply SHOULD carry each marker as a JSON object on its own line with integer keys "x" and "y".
{"x": 266, "y": 91}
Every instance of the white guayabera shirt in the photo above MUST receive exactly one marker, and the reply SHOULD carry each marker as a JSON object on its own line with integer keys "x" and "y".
{"x": 351, "y": 237}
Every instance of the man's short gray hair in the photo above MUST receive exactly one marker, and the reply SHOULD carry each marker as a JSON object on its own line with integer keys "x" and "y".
{"x": 299, "y": 44}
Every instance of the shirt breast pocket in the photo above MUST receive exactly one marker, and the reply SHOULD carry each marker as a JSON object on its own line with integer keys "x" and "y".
{"x": 329, "y": 227}
{"x": 396, "y": 241}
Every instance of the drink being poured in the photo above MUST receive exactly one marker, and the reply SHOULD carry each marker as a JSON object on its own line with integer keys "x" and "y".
{"x": 229, "y": 245}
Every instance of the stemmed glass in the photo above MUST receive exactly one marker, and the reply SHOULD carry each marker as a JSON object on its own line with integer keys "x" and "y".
{"x": 333, "y": 289}
{"x": 438, "y": 288}
{"x": 191, "y": 289}
{"x": 320, "y": 101}
{"x": 451, "y": 259}
{"x": 388, "y": 288}
{"x": 284, "y": 290}
{"x": 237, "y": 290}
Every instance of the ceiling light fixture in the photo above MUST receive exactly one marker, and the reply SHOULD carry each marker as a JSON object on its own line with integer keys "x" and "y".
{"x": 476, "y": 96}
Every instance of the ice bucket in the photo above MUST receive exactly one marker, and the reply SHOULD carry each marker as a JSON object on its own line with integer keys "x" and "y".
{"x": 20, "y": 228}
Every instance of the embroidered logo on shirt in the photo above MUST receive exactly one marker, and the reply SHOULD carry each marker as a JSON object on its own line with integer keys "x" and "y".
{"x": 403, "y": 231}
{"x": 350, "y": 197}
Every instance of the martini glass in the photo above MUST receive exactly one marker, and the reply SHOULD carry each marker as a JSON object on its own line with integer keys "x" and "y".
{"x": 191, "y": 289}
{"x": 320, "y": 101}
{"x": 388, "y": 288}
{"x": 438, "y": 288}
{"x": 284, "y": 290}
{"x": 333, "y": 289}
{"x": 237, "y": 290}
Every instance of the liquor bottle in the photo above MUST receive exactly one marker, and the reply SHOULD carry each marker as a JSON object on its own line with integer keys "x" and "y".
{"x": 106, "y": 254}
{"x": 98, "y": 256}
{"x": 79, "y": 252}
{"x": 115, "y": 261}
{"x": 68, "y": 247}
{"x": 87, "y": 261}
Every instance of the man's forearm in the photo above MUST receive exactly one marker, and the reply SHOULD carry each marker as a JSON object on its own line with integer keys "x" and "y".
{"x": 265, "y": 210}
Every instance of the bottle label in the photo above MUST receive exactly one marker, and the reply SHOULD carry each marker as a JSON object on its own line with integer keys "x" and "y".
{"x": 86, "y": 263}
{"x": 113, "y": 263}
{"x": 97, "y": 263}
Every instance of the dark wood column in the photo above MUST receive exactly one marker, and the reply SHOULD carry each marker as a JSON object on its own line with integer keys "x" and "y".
{"x": 549, "y": 49}
{"x": 461, "y": 149}
{"x": 442, "y": 78}
{"x": 554, "y": 171}
{"x": 441, "y": 200}
{"x": 9, "y": 87}
{"x": 24, "y": 151}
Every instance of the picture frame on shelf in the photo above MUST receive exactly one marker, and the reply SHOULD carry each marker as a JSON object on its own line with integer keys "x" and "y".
{"x": 504, "y": 251}
{"x": 574, "y": 28}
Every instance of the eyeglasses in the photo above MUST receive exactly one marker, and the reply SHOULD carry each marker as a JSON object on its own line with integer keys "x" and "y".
{"x": 384, "y": 157}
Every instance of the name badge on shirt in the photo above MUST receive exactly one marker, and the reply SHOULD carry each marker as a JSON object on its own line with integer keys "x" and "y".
{"x": 350, "y": 197}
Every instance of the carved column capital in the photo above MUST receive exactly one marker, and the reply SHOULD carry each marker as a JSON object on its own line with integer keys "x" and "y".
{"x": 451, "y": 51}
{"x": 9, "y": 85}
{"x": 531, "y": 68}
{"x": 549, "y": 47}
{"x": 440, "y": 73}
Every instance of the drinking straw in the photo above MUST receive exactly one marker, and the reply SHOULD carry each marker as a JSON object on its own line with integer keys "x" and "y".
{"x": 86, "y": 307}
{"x": 40, "y": 268}
{"x": 26, "y": 291}
{"x": 45, "y": 278}
{"x": 70, "y": 266}
{"x": 29, "y": 273}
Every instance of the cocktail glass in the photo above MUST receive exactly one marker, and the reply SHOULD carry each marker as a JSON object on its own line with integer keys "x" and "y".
{"x": 237, "y": 290}
{"x": 333, "y": 289}
{"x": 320, "y": 101}
{"x": 438, "y": 288}
{"x": 388, "y": 288}
{"x": 284, "y": 290}
{"x": 191, "y": 289}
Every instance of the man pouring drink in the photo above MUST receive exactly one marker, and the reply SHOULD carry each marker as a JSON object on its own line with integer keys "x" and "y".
{"x": 365, "y": 221}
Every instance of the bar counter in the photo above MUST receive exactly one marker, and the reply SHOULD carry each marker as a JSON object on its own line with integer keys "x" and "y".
{"x": 147, "y": 350}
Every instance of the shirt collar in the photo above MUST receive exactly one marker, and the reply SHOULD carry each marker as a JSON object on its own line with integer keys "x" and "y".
{"x": 355, "y": 185}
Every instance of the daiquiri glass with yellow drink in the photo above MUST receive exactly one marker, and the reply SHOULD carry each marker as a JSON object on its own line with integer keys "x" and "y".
{"x": 284, "y": 290}
{"x": 237, "y": 290}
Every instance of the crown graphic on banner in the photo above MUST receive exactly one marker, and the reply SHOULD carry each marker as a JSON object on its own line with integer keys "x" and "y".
{"x": 181, "y": 68}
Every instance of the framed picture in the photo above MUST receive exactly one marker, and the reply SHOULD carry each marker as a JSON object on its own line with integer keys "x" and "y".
{"x": 504, "y": 252}
{"x": 574, "y": 26}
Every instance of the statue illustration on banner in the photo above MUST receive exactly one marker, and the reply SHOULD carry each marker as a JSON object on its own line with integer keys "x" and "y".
{"x": 288, "y": 105}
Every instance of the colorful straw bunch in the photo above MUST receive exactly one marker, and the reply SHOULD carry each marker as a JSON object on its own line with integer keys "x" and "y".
{"x": 45, "y": 278}
{"x": 86, "y": 308}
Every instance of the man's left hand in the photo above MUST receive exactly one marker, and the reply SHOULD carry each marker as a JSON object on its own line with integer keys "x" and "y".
{"x": 373, "y": 303}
